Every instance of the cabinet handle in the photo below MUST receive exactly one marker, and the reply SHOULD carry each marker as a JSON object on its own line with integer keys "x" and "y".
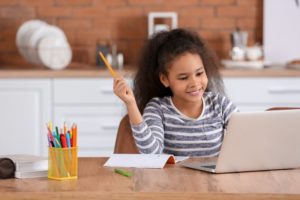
{"x": 106, "y": 91}
{"x": 283, "y": 90}
{"x": 110, "y": 127}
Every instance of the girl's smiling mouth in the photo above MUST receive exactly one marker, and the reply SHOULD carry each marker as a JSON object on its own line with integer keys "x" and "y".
{"x": 194, "y": 92}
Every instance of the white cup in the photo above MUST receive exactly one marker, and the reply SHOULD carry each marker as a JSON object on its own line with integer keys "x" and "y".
{"x": 237, "y": 54}
{"x": 254, "y": 53}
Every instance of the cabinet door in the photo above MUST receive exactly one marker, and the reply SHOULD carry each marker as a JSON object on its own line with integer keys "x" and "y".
{"x": 97, "y": 127}
{"x": 257, "y": 94}
{"x": 90, "y": 103}
{"x": 24, "y": 110}
{"x": 88, "y": 91}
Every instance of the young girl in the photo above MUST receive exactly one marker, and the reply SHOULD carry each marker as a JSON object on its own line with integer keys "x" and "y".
{"x": 179, "y": 91}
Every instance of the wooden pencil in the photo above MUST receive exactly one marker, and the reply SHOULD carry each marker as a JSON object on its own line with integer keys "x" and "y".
{"x": 112, "y": 72}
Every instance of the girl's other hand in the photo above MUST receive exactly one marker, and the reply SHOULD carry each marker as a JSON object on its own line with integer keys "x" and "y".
{"x": 123, "y": 91}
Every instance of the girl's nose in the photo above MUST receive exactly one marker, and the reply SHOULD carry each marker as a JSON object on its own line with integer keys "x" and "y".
{"x": 193, "y": 81}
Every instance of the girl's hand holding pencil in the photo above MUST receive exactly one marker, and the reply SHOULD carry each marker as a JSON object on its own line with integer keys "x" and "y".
{"x": 124, "y": 92}
{"x": 121, "y": 88}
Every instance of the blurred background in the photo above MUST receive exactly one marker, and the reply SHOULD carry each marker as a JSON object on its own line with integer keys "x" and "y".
{"x": 88, "y": 23}
{"x": 257, "y": 41}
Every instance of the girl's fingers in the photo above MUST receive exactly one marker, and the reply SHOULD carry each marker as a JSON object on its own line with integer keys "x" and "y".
{"x": 120, "y": 88}
{"x": 117, "y": 81}
{"x": 119, "y": 84}
{"x": 119, "y": 78}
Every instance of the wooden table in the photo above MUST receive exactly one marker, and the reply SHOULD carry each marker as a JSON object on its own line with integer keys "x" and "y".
{"x": 171, "y": 182}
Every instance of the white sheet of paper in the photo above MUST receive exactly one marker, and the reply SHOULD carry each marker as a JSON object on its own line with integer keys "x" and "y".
{"x": 138, "y": 160}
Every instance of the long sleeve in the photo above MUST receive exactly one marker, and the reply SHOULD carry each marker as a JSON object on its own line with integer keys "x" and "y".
{"x": 149, "y": 135}
{"x": 227, "y": 108}
{"x": 165, "y": 129}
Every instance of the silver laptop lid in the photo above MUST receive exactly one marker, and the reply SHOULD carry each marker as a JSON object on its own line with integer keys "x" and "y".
{"x": 261, "y": 141}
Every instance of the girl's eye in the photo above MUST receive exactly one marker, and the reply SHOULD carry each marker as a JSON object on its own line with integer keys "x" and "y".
{"x": 199, "y": 73}
{"x": 182, "y": 78}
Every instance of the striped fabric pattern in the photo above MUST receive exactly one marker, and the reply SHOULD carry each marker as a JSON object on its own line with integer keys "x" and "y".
{"x": 166, "y": 130}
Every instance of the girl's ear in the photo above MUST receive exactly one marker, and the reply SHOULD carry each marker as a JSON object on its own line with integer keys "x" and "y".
{"x": 164, "y": 80}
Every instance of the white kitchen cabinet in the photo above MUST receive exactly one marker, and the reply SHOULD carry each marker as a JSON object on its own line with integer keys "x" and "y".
{"x": 25, "y": 106}
{"x": 92, "y": 104}
{"x": 257, "y": 94}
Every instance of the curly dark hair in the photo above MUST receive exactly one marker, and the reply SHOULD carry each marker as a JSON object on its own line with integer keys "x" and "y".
{"x": 157, "y": 55}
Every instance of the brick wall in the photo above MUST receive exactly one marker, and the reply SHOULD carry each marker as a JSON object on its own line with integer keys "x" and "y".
{"x": 124, "y": 22}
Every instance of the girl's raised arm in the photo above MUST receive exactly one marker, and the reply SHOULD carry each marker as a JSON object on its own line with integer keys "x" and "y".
{"x": 124, "y": 92}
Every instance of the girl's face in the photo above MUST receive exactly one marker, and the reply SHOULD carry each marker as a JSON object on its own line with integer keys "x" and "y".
{"x": 186, "y": 78}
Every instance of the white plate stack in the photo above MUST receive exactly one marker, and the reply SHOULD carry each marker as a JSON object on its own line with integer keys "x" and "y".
{"x": 41, "y": 43}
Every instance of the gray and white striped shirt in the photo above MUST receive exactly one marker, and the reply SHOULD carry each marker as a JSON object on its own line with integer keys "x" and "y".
{"x": 166, "y": 130}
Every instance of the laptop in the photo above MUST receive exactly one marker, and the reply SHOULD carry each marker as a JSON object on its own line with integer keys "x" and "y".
{"x": 257, "y": 141}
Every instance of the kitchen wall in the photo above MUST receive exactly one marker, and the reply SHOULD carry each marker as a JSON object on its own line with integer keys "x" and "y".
{"x": 88, "y": 22}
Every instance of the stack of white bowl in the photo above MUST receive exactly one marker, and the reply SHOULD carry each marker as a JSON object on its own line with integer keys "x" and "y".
{"x": 41, "y": 43}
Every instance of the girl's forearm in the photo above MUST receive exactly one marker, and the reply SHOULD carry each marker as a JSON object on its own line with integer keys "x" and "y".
{"x": 134, "y": 114}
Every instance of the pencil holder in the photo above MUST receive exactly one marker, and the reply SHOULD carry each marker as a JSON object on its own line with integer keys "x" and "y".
{"x": 62, "y": 163}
